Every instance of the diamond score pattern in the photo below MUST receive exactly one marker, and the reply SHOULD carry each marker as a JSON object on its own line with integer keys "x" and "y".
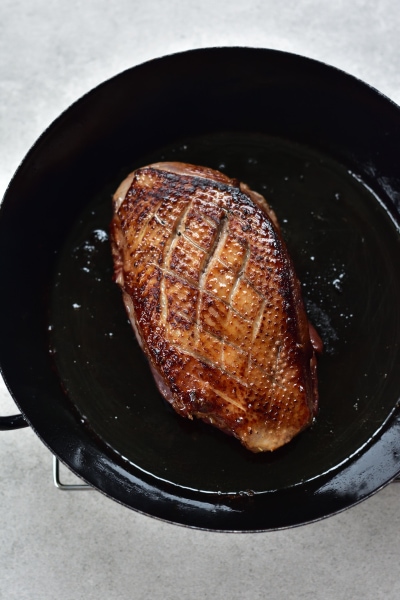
{"x": 209, "y": 305}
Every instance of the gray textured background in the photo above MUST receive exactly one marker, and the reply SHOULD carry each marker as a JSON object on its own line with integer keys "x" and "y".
{"x": 56, "y": 545}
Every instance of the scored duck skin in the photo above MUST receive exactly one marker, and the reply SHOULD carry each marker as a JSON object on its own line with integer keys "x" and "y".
{"x": 212, "y": 296}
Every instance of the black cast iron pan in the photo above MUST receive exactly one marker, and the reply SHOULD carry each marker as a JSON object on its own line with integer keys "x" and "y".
{"x": 324, "y": 149}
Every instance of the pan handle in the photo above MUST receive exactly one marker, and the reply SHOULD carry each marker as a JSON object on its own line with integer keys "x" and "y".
{"x": 12, "y": 422}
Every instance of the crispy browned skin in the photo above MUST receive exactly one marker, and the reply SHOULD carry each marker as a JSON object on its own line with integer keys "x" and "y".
{"x": 212, "y": 296}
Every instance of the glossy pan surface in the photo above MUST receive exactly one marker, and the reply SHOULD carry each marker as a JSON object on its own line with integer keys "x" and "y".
{"x": 322, "y": 147}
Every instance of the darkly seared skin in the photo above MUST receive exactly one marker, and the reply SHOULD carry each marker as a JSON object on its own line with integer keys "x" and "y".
{"x": 213, "y": 298}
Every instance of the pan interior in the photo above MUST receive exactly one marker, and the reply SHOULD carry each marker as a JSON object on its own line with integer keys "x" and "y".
{"x": 345, "y": 249}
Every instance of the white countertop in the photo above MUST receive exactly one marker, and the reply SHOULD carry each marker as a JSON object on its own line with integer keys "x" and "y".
{"x": 58, "y": 545}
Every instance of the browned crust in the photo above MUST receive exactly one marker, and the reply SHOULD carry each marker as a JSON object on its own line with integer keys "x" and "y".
{"x": 249, "y": 371}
